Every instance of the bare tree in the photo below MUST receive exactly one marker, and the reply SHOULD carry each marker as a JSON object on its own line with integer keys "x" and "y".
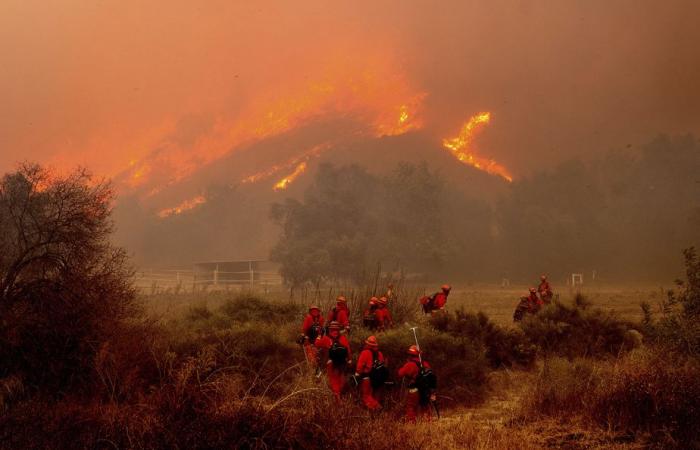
{"x": 64, "y": 288}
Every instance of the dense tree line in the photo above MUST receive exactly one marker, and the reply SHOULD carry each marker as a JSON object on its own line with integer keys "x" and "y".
{"x": 625, "y": 215}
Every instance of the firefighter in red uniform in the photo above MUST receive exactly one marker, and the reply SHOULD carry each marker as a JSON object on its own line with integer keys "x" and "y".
{"x": 311, "y": 329}
{"x": 340, "y": 313}
{"x": 545, "y": 290}
{"x": 369, "y": 317}
{"x": 383, "y": 316}
{"x": 416, "y": 400}
{"x": 534, "y": 302}
{"x": 336, "y": 348}
{"x": 441, "y": 298}
{"x": 369, "y": 358}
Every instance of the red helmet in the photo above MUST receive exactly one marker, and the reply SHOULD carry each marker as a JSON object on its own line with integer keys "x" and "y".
{"x": 334, "y": 325}
{"x": 413, "y": 350}
{"x": 372, "y": 341}
{"x": 373, "y": 301}
{"x": 446, "y": 287}
{"x": 341, "y": 299}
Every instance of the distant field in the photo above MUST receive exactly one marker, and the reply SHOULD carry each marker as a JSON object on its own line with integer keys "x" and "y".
{"x": 497, "y": 303}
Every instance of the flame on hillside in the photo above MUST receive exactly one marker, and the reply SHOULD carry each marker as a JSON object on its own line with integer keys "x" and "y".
{"x": 289, "y": 179}
{"x": 182, "y": 207}
{"x": 314, "y": 152}
{"x": 373, "y": 95}
{"x": 461, "y": 148}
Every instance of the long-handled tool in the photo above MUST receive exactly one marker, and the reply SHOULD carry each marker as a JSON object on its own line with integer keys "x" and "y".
{"x": 420, "y": 359}
{"x": 415, "y": 336}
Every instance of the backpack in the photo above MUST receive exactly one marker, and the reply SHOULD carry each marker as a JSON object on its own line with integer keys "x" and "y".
{"x": 315, "y": 331}
{"x": 428, "y": 303}
{"x": 338, "y": 354}
{"x": 426, "y": 382}
{"x": 370, "y": 321}
{"x": 379, "y": 373}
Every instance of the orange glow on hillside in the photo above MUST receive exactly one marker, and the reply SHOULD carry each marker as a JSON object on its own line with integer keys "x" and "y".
{"x": 380, "y": 100}
{"x": 460, "y": 147}
{"x": 289, "y": 179}
{"x": 182, "y": 207}
{"x": 312, "y": 153}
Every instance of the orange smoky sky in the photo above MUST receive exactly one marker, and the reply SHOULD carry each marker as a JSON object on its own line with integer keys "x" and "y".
{"x": 107, "y": 83}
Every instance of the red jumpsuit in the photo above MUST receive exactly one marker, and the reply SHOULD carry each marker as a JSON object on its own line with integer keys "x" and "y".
{"x": 545, "y": 290}
{"x": 306, "y": 330}
{"x": 336, "y": 378}
{"x": 410, "y": 371}
{"x": 535, "y": 303}
{"x": 440, "y": 300}
{"x": 369, "y": 318}
{"x": 383, "y": 318}
{"x": 341, "y": 315}
{"x": 364, "y": 366}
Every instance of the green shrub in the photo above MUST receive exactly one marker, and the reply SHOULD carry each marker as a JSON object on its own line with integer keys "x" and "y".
{"x": 576, "y": 330}
{"x": 503, "y": 347}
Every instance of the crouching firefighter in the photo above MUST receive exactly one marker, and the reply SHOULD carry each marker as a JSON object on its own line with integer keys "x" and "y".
{"x": 422, "y": 383}
{"x": 337, "y": 349}
{"x": 436, "y": 302}
{"x": 311, "y": 329}
{"x": 371, "y": 372}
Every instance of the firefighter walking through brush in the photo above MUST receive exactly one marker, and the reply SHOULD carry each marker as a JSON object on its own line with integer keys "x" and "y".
{"x": 369, "y": 317}
{"x": 436, "y": 302}
{"x": 311, "y": 329}
{"x": 340, "y": 313}
{"x": 545, "y": 290}
{"x": 383, "y": 316}
{"x": 421, "y": 385}
{"x": 336, "y": 348}
{"x": 371, "y": 373}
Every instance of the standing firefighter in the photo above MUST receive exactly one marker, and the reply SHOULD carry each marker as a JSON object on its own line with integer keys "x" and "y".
{"x": 337, "y": 348}
{"x": 437, "y": 301}
{"x": 545, "y": 290}
{"x": 371, "y": 372}
{"x": 421, "y": 385}
{"x": 341, "y": 314}
{"x": 311, "y": 329}
{"x": 369, "y": 317}
{"x": 383, "y": 316}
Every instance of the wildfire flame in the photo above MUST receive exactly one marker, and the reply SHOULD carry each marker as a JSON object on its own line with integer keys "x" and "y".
{"x": 289, "y": 179}
{"x": 372, "y": 93}
{"x": 313, "y": 152}
{"x": 460, "y": 147}
{"x": 182, "y": 207}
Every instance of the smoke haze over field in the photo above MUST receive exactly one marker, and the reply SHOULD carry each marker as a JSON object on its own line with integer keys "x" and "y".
{"x": 207, "y": 113}
{"x": 107, "y": 83}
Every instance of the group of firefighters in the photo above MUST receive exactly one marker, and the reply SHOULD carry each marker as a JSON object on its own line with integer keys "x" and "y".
{"x": 327, "y": 341}
{"x": 537, "y": 298}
